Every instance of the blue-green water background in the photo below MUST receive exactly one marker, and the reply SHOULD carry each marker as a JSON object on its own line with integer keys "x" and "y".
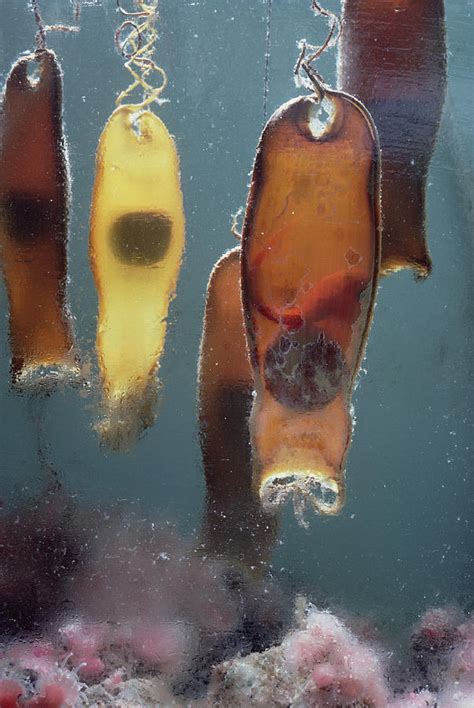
{"x": 404, "y": 539}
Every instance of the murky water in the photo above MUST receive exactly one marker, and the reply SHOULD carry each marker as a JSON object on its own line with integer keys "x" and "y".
{"x": 403, "y": 541}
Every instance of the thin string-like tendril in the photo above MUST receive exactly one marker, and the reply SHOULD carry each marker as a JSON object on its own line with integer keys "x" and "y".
{"x": 138, "y": 48}
{"x": 43, "y": 28}
{"x": 310, "y": 53}
{"x": 268, "y": 42}
{"x": 234, "y": 225}
{"x": 37, "y": 411}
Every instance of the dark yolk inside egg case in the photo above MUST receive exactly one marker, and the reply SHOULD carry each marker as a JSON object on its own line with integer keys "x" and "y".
{"x": 141, "y": 238}
{"x": 305, "y": 367}
{"x": 305, "y": 374}
{"x": 28, "y": 217}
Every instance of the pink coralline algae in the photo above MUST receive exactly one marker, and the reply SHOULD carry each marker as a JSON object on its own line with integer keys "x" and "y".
{"x": 138, "y": 602}
{"x": 459, "y": 689}
{"x": 10, "y": 693}
{"x": 83, "y": 643}
{"x": 437, "y": 628}
{"x": 141, "y": 600}
{"x": 54, "y": 686}
{"x": 138, "y": 615}
{"x": 334, "y": 666}
{"x": 322, "y": 664}
{"x": 40, "y": 657}
{"x": 60, "y": 689}
{"x": 158, "y": 644}
{"x": 462, "y": 661}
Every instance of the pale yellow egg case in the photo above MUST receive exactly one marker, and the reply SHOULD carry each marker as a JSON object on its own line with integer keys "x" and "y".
{"x": 136, "y": 247}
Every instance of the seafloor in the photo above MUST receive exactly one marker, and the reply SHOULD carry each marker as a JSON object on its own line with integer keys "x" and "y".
{"x": 106, "y": 609}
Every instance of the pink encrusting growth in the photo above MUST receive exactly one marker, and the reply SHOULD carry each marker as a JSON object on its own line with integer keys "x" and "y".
{"x": 112, "y": 682}
{"x": 58, "y": 690}
{"x": 141, "y": 599}
{"x": 55, "y": 688}
{"x": 458, "y": 690}
{"x": 462, "y": 661}
{"x": 40, "y": 657}
{"x": 10, "y": 693}
{"x": 83, "y": 643}
{"x": 147, "y": 609}
{"x": 438, "y": 627}
{"x": 323, "y": 664}
{"x": 337, "y": 666}
{"x": 158, "y": 644}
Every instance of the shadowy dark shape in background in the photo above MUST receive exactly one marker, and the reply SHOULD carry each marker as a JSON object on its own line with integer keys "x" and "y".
{"x": 234, "y": 524}
{"x": 392, "y": 57}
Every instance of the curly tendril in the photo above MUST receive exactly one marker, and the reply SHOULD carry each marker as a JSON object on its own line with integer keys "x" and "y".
{"x": 135, "y": 40}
